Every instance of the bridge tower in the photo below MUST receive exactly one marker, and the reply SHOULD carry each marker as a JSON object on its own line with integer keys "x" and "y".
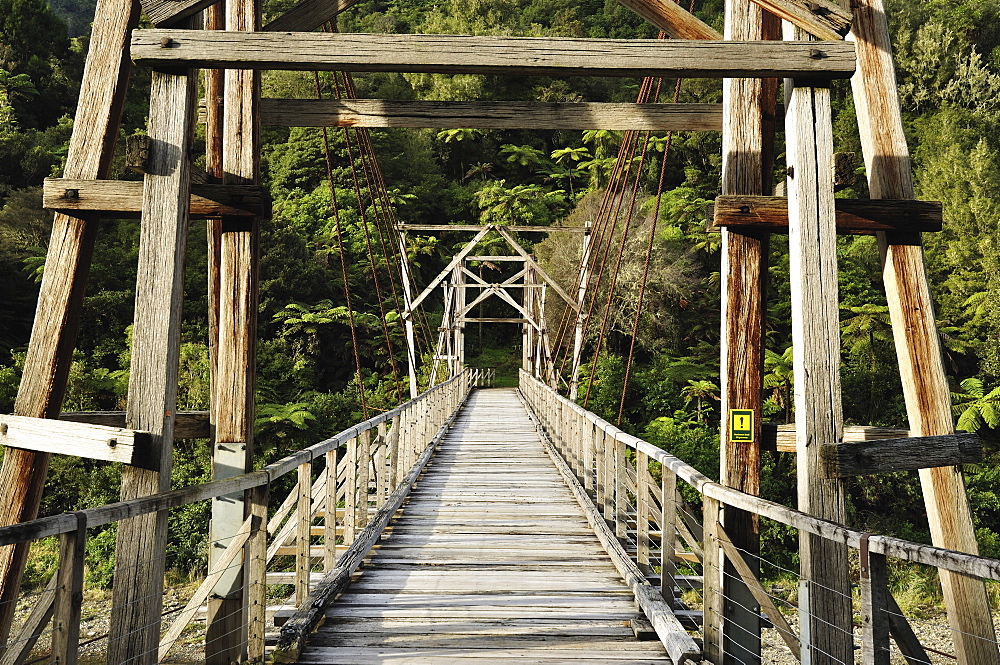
{"x": 231, "y": 45}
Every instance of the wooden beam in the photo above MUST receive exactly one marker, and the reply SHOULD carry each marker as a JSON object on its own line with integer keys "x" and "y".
{"x": 511, "y": 56}
{"x": 782, "y": 437}
{"x": 187, "y": 424}
{"x": 114, "y": 444}
{"x": 918, "y": 347}
{"x": 816, "y": 337}
{"x": 671, "y": 18}
{"x": 824, "y": 19}
{"x": 502, "y": 230}
{"x": 476, "y": 228}
{"x": 139, "y": 563}
{"x": 308, "y": 15}
{"x": 908, "y": 454}
{"x": 60, "y": 298}
{"x": 490, "y": 115}
{"x": 494, "y": 320}
{"x": 494, "y": 259}
{"x": 123, "y": 198}
{"x": 455, "y": 261}
{"x": 166, "y": 13}
{"x": 854, "y": 216}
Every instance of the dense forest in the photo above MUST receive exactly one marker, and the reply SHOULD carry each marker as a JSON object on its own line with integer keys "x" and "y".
{"x": 948, "y": 59}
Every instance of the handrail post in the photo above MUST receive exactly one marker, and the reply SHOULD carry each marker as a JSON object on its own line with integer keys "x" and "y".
{"x": 618, "y": 450}
{"x": 351, "y": 493}
{"x": 381, "y": 455}
{"x": 600, "y": 453}
{"x": 303, "y": 562}
{"x": 330, "y": 518}
{"x": 874, "y": 606}
{"x": 668, "y": 535}
{"x": 364, "y": 462}
{"x": 714, "y": 603}
{"x": 256, "y": 569}
{"x": 394, "y": 432}
{"x": 587, "y": 429}
{"x": 642, "y": 510}
{"x": 69, "y": 593}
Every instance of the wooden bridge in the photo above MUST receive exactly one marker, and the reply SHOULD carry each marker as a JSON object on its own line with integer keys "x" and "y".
{"x": 504, "y": 568}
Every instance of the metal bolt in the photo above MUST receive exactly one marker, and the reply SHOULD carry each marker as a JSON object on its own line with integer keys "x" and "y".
{"x": 3, "y": 429}
{"x": 165, "y": 42}
{"x": 71, "y": 194}
{"x": 112, "y": 442}
{"x": 816, "y": 54}
{"x": 790, "y": 171}
{"x": 744, "y": 210}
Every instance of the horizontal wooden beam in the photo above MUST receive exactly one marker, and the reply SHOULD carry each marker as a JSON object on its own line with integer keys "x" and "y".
{"x": 495, "y": 258}
{"x": 513, "y": 56}
{"x": 476, "y": 228}
{"x": 493, "y": 320}
{"x": 187, "y": 424}
{"x": 490, "y": 115}
{"x": 308, "y": 15}
{"x": 910, "y": 454}
{"x": 825, "y": 19}
{"x": 124, "y": 198}
{"x": 782, "y": 437}
{"x": 854, "y": 216}
{"x": 673, "y": 19}
{"x": 165, "y": 13}
{"x": 114, "y": 444}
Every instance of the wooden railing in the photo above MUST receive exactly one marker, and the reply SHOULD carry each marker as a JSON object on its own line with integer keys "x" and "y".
{"x": 347, "y": 488}
{"x": 682, "y": 548}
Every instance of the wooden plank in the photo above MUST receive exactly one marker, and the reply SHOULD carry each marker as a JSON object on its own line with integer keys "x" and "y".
{"x": 910, "y": 454}
{"x": 166, "y": 13}
{"x": 455, "y": 261}
{"x": 69, "y": 595}
{"x": 480, "y": 319}
{"x": 475, "y": 228}
{"x": 918, "y": 347}
{"x": 187, "y": 424}
{"x": 825, "y": 19}
{"x": 60, "y": 298}
{"x": 308, "y": 15}
{"x": 114, "y": 444}
{"x": 749, "y": 112}
{"x": 671, "y": 18}
{"x": 139, "y": 563}
{"x": 874, "y": 608}
{"x": 782, "y": 437}
{"x": 854, "y": 216}
{"x": 490, "y": 115}
{"x": 816, "y": 337}
{"x": 19, "y": 649}
{"x": 512, "y": 56}
{"x": 123, "y": 198}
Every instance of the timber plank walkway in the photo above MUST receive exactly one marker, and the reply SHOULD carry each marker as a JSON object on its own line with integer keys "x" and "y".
{"x": 491, "y": 560}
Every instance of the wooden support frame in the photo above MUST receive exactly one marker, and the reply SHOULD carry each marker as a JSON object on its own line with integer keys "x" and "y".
{"x": 139, "y": 563}
{"x": 113, "y": 444}
{"x": 123, "y": 198}
{"x": 187, "y": 424}
{"x": 671, "y": 18}
{"x": 854, "y": 216}
{"x": 909, "y": 454}
{"x": 475, "y": 228}
{"x": 826, "y": 19}
{"x": 41, "y": 612}
{"x": 490, "y": 115}
{"x": 511, "y": 56}
{"x": 308, "y": 15}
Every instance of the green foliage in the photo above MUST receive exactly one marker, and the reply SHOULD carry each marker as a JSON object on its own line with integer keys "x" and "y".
{"x": 976, "y": 409}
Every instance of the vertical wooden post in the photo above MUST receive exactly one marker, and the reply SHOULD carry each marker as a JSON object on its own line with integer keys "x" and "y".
{"x": 747, "y": 153}
{"x": 874, "y": 607}
{"x": 139, "y": 562}
{"x": 642, "y": 510}
{"x": 918, "y": 348}
{"x": 256, "y": 570}
{"x": 712, "y": 588}
{"x": 587, "y": 434}
{"x": 69, "y": 594}
{"x": 394, "y": 433}
{"x": 668, "y": 533}
{"x": 60, "y": 297}
{"x": 411, "y": 353}
{"x": 460, "y": 298}
{"x": 364, "y": 467}
{"x": 620, "y": 506}
{"x": 330, "y": 513}
{"x": 351, "y": 494}
{"x": 602, "y": 460}
{"x": 806, "y": 653}
{"x": 816, "y": 338}
{"x": 609, "y": 475}
{"x": 581, "y": 316}
{"x": 303, "y": 562}
{"x": 381, "y": 477}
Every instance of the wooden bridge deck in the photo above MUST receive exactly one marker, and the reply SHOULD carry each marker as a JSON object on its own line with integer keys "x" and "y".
{"x": 491, "y": 560}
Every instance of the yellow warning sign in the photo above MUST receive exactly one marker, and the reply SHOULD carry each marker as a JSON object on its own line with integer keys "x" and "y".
{"x": 741, "y": 425}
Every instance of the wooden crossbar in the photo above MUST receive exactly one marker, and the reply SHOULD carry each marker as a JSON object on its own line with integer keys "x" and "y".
{"x": 513, "y": 56}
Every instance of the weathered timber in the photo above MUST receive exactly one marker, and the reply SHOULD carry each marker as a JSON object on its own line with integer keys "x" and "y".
{"x": 19, "y": 649}
{"x": 166, "y": 13}
{"x": 918, "y": 347}
{"x": 854, "y": 216}
{"x": 139, "y": 563}
{"x": 308, "y": 15}
{"x": 494, "y": 258}
{"x": 490, "y": 115}
{"x": 475, "y": 228}
{"x": 123, "y": 198}
{"x": 514, "y": 56}
{"x": 749, "y": 117}
{"x": 60, "y": 297}
{"x": 531, "y": 263}
{"x": 782, "y": 437}
{"x": 902, "y": 632}
{"x": 909, "y": 454}
{"x": 874, "y": 607}
{"x": 455, "y": 261}
{"x": 114, "y": 444}
{"x": 672, "y": 19}
{"x": 187, "y": 424}
{"x": 825, "y": 19}
{"x": 816, "y": 337}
